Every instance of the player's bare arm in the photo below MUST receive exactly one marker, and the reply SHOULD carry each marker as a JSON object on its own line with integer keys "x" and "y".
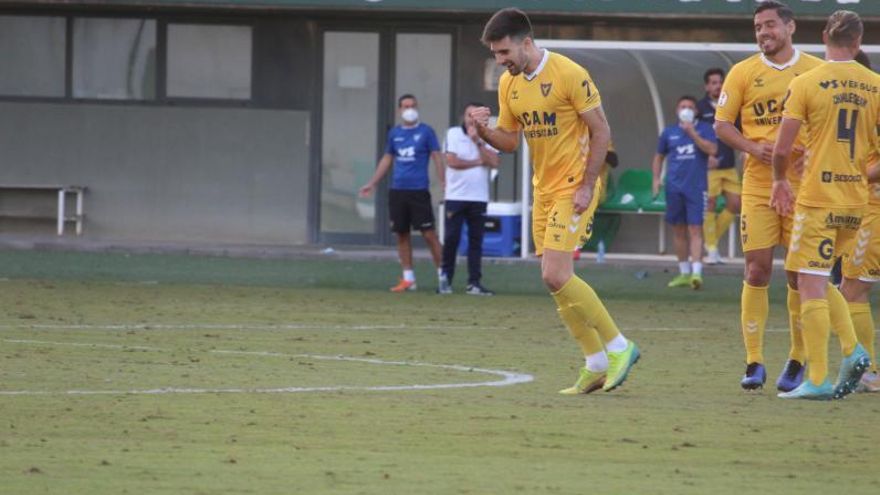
{"x": 874, "y": 172}
{"x": 731, "y": 136}
{"x": 499, "y": 139}
{"x": 781, "y": 196}
{"x": 600, "y": 137}
{"x": 381, "y": 169}
{"x": 657, "y": 169}
{"x": 489, "y": 157}
{"x": 437, "y": 158}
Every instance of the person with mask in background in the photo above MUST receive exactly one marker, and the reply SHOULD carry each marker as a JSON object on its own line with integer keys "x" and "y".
{"x": 409, "y": 148}
{"x": 469, "y": 160}
{"x": 686, "y": 146}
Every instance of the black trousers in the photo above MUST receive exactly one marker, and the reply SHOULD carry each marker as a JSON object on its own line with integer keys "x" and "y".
{"x": 457, "y": 213}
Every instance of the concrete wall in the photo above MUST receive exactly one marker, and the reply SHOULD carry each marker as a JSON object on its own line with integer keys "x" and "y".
{"x": 226, "y": 175}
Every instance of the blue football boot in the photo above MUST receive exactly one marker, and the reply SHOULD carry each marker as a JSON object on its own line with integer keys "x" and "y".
{"x": 851, "y": 369}
{"x": 755, "y": 377}
{"x": 807, "y": 390}
{"x": 792, "y": 375}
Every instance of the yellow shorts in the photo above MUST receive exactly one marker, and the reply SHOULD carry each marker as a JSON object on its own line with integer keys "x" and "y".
{"x": 724, "y": 180}
{"x": 556, "y": 227}
{"x": 760, "y": 227}
{"x": 861, "y": 254}
{"x": 814, "y": 235}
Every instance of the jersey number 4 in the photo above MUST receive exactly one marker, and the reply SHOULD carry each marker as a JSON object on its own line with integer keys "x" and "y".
{"x": 846, "y": 129}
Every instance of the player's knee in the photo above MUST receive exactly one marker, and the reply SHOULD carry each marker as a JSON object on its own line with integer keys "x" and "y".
{"x": 758, "y": 274}
{"x": 554, "y": 279}
{"x": 734, "y": 204}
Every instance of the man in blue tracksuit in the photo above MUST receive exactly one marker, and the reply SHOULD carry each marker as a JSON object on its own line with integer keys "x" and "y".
{"x": 686, "y": 146}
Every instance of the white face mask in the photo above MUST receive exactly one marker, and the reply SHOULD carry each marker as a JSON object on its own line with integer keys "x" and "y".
{"x": 410, "y": 115}
{"x": 686, "y": 115}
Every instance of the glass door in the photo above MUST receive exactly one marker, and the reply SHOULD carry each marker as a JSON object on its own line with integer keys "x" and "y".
{"x": 355, "y": 120}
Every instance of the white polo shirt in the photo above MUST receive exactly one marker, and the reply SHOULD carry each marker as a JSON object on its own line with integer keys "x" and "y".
{"x": 470, "y": 184}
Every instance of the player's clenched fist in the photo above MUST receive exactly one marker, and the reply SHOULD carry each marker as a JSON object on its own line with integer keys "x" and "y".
{"x": 480, "y": 116}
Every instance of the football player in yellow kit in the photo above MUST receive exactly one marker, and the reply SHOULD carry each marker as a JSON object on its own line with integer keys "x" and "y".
{"x": 839, "y": 105}
{"x": 554, "y": 103}
{"x": 861, "y": 268}
{"x": 753, "y": 91}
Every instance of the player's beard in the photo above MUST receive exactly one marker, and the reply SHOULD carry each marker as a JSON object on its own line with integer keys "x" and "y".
{"x": 773, "y": 46}
{"x": 516, "y": 68}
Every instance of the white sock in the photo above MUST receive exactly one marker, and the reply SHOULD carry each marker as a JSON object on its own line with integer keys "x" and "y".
{"x": 617, "y": 344}
{"x": 684, "y": 267}
{"x": 597, "y": 362}
{"x": 440, "y": 273}
{"x": 409, "y": 275}
{"x": 698, "y": 268}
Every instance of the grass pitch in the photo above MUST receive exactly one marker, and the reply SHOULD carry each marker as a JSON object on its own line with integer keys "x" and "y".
{"x": 111, "y": 323}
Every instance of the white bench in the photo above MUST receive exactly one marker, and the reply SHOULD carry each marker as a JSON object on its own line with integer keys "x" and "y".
{"x": 59, "y": 191}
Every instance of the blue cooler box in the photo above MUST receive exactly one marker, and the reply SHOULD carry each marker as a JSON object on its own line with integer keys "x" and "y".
{"x": 502, "y": 234}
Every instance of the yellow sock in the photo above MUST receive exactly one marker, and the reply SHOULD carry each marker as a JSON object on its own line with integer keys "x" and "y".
{"x": 816, "y": 322}
{"x": 581, "y": 297}
{"x": 841, "y": 323}
{"x": 863, "y": 321}
{"x": 755, "y": 307}
{"x": 797, "y": 352}
{"x": 710, "y": 234}
{"x": 725, "y": 218}
{"x": 585, "y": 335}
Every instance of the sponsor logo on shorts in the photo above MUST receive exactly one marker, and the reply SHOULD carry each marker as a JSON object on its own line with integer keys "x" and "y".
{"x": 556, "y": 237}
{"x": 826, "y": 249}
{"x": 843, "y": 221}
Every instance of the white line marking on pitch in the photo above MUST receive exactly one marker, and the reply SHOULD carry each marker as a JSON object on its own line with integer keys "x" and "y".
{"x": 211, "y": 326}
{"x": 508, "y": 377}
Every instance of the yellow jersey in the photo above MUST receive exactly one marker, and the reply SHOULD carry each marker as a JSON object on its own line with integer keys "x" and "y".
{"x": 754, "y": 90}
{"x": 546, "y": 105}
{"x": 839, "y": 105}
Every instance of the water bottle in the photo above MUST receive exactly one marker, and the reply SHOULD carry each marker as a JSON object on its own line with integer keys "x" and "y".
{"x": 600, "y": 251}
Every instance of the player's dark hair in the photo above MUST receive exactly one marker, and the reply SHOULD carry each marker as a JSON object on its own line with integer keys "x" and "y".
{"x": 863, "y": 59}
{"x": 687, "y": 98}
{"x": 406, "y": 96}
{"x": 782, "y": 10}
{"x": 714, "y": 71}
{"x": 511, "y": 22}
{"x": 844, "y": 28}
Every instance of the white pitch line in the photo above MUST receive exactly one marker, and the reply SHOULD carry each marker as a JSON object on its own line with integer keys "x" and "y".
{"x": 82, "y": 344}
{"x": 212, "y": 326}
{"x": 508, "y": 377}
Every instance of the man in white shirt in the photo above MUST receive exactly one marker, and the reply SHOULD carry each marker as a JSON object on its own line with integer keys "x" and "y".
{"x": 468, "y": 161}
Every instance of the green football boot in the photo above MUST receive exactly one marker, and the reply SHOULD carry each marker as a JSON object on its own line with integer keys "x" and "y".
{"x": 619, "y": 365}
{"x": 588, "y": 381}
{"x": 680, "y": 280}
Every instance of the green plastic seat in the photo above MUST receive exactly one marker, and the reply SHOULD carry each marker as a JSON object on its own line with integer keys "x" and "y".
{"x": 633, "y": 189}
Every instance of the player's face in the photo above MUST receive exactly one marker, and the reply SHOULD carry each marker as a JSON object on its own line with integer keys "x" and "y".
{"x": 713, "y": 87}
{"x": 407, "y": 103}
{"x": 772, "y": 33}
{"x": 511, "y": 54}
{"x": 685, "y": 104}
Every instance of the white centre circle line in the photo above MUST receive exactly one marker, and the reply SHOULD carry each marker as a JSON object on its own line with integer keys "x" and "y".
{"x": 507, "y": 377}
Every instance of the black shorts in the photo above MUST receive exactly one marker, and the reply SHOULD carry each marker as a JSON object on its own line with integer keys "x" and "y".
{"x": 410, "y": 210}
